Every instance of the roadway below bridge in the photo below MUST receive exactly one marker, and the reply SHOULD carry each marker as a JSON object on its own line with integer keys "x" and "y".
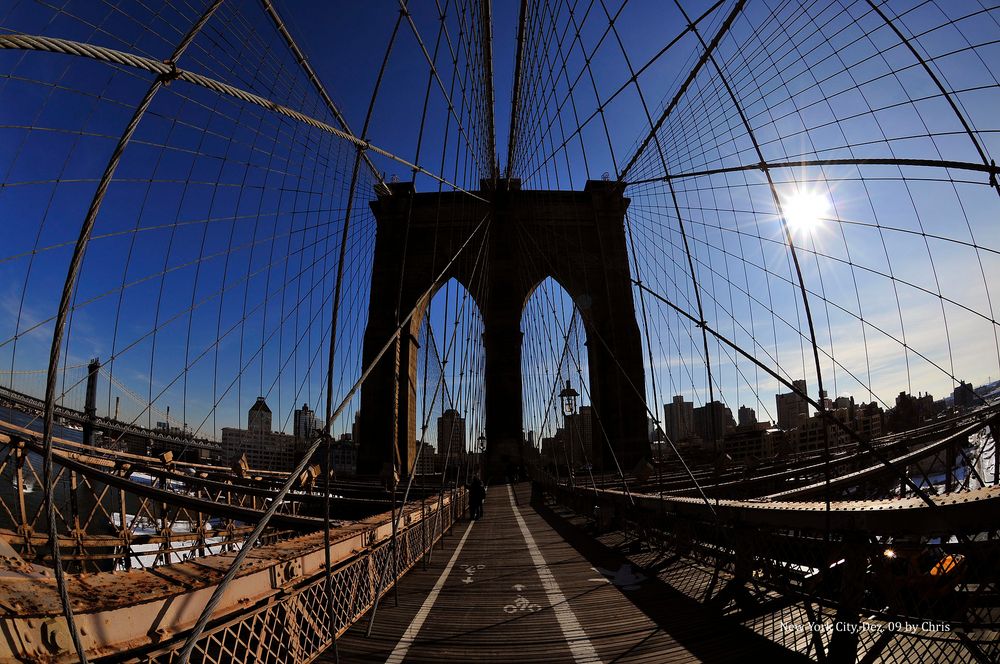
{"x": 524, "y": 585}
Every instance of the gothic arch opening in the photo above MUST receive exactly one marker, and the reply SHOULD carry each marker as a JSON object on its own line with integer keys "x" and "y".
{"x": 560, "y": 425}
{"x": 446, "y": 421}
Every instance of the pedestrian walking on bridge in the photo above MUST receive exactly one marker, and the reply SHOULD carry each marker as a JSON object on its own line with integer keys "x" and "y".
{"x": 477, "y": 496}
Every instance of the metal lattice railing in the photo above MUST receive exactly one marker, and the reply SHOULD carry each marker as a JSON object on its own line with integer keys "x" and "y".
{"x": 279, "y": 610}
{"x": 894, "y": 579}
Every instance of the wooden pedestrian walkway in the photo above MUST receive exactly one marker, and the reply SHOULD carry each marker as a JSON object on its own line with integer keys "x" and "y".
{"x": 511, "y": 588}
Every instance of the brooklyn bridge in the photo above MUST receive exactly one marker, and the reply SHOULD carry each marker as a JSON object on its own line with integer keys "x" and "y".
{"x": 460, "y": 330}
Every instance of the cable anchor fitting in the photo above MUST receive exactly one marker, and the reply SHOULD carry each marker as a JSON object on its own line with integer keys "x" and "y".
{"x": 169, "y": 76}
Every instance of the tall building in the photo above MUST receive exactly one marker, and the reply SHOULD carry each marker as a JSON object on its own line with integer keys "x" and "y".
{"x": 259, "y": 416}
{"x": 549, "y": 446}
{"x": 451, "y": 434}
{"x": 356, "y": 428}
{"x": 752, "y": 442}
{"x": 910, "y": 412}
{"x": 792, "y": 409}
{"x": 843, "y": 402}
{"x": 712, "y": 421}
{"x": 264, "y": 449}
{"x": 678, "y": 416}
{"x": 747, "y": 416}
{"x": 306, "y": 423}
{"x": 344, "y": 455}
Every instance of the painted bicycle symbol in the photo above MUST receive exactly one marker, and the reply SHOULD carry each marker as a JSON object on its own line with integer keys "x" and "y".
{"x": 521, "y": 604}
{"x": 470, "y": 571}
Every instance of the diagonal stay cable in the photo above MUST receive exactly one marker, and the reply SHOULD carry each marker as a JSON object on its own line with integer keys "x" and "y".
{"x": 868, "y": 447}
{"x": 444, "y": 92}
{"x": 706, "y": 54}
{"x": 642, "y": 399}
{"x": 424, "y": 424}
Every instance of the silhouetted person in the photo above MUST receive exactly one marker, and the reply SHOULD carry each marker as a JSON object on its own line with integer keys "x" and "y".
{"x": 477, "y": 496}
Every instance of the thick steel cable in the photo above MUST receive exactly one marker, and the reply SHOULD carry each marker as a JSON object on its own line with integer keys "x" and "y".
{"x": 313, "y": 78}
{"x": 69, "y": 286}
{"x": 279, "y": 497}
{"x": 69, "y": 47}
{"x": 990, "y": 169}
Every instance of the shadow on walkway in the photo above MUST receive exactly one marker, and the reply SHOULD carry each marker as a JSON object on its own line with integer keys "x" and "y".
{"x": 705, "y": 633}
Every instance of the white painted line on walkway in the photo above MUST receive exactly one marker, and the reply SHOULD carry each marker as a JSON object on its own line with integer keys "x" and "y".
{"x": 410, "y": 635}
{"x": 576, "y": 638}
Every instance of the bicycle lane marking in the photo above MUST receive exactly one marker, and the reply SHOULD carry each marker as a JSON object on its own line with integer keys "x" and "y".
{"x": 410, "y": 635}
{"x": 576, "y": 638}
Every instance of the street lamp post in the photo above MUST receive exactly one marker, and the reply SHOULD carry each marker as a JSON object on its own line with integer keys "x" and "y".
{"x": 568, "y": 397}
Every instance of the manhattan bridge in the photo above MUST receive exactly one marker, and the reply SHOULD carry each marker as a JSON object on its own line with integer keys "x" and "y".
{"x": 700, "y": 291}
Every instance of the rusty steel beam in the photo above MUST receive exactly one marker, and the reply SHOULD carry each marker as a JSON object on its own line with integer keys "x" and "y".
{"x": 147, "y": 613}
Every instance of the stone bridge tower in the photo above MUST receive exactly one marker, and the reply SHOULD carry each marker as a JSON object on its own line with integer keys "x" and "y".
{"x": 577, "y": 238}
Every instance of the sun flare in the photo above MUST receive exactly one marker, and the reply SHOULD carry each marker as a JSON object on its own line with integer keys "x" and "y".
{"x": 805, "y": 210}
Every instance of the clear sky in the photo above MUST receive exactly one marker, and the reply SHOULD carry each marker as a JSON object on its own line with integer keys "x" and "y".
{"x": 210, "y": 276}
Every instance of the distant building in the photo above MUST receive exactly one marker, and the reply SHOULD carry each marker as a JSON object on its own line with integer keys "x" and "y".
{"x": 678, "y": 417}
{"x": 451, "y": 435}
{"x": 264, "y": 449}
{"x": 792, "y": 408}
{"x": 844, "y": 402}
{"x": 747, "y": 416}
{"x": 259, "y": 416}
{"x": 171, "y": 429}
{"x": 964, "y": 396}
{"x": 550, "y": 453}
{"x": 356, "y": 428}
{"x": 910, "y": 412}
{"x": 305, "y": 423}
{"x": 344, "y": 455}
{"x": 427, "y": 463}
{"x": 580, "y": 432}
{"x": 811, "y": 435}
{"x": 869, "y": 420}
{"x": 752, "y": 441}
{"x": 712, "y": 421}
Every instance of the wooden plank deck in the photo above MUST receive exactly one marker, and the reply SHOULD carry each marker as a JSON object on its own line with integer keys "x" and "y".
{"x": 513, "y": 588}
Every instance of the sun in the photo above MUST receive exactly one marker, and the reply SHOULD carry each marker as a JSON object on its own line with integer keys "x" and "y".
{"x": 805, "y": 210}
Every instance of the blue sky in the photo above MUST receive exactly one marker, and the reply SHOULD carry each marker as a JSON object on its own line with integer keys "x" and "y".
{"x": 221, "y": 229}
